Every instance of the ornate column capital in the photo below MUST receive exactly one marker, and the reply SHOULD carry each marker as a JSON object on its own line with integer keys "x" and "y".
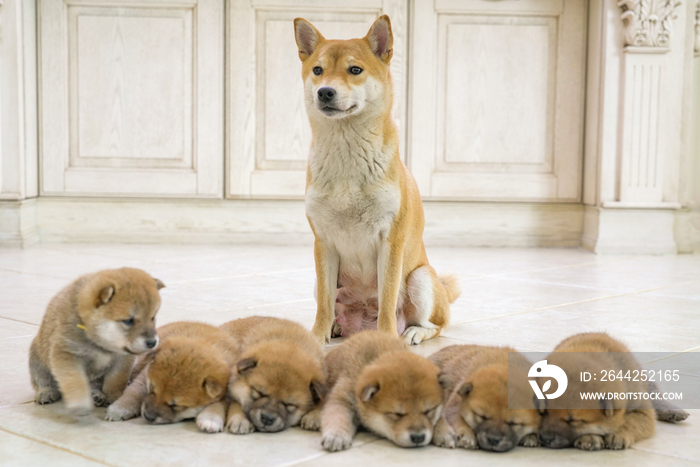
{"x": 648, "y": 22}
{"x": 697, "y": 27}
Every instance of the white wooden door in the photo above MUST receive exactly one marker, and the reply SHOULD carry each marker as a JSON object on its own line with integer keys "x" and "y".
{"x": 132, "y": 97}
{"x": 268, "y": 130}
{"x": 497, "y": 99}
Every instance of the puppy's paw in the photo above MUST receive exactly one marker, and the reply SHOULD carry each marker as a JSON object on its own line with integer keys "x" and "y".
{"x": 210, "y": 422}
{"x": 590, "y": 443}
{"x": 336, "y": 441}
{"x": 414, "y": 335}
{"x": 671, "y": 415}
{"x": 444, "y": 439}
{"x": 80, "y": 409}
{"x": 530, "y": 441}
{"x": 47, "y": 396}
{"x": 617, "y": 441}
{"x": 466, "y": 440}
{"x": 239, "y": 425}
{"x": 336, "y": 330}
{"x": 117, "y": 412}
{"x": 311, "y": 421}
{"x": 99, "y": 398}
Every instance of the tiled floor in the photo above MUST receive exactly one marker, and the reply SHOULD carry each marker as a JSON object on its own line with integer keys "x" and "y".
{"x": 530, "y": 299}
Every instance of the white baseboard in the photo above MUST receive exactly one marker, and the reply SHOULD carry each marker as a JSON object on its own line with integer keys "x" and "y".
{"x": 18, "y": 223}
{"x": 284, "y": 222}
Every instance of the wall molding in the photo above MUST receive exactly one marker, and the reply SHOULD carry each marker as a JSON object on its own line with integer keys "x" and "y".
{"x": 18, "y": 223}
{"x": 648, "y": 23}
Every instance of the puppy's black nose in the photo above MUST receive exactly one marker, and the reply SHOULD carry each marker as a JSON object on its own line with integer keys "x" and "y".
{"x": 326, "y": 94}
{"x": 150, "y": 418}
{"x": 417, "y": 438}
{"x": 267, "y": 420}
{"x": 150, "y": 343}
{"x": 547, "y": 437}
{"x": 493, "y": 440}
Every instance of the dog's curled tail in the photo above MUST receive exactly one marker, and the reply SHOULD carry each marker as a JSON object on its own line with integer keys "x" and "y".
{"x": 451, "y": 285}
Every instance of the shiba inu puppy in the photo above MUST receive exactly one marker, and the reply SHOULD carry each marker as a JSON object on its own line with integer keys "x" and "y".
{"x": 604, "y": 423}
{"x": 186, "y": 377}
{"x": 362, "y": 203}
{"x": 278, "y": 376}
{"x": 378, "y": 383}
{"x": 90, "y": 333}
{"x": 476, "y": 412}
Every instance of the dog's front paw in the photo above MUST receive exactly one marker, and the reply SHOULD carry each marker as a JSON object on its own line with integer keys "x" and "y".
{"x": 117, "y": 412}
{"x": 414, "y": 335}
{"x": 444, "y": 439}
{"x": 79, "y": 409}
{"x": 99, "y": 398}
{"x": 210, "y": 422}
{"x": 47, "y": 396}
{"x": 239, "y": 425}
{"x": 336, "y": 440}
{"x": 530, "y": 441}
{"x": 336, "y": 330}
{"x": 617, "y": 441}
{"x": 311, "y": 421}
{"x": 671, "y": 415}
{"x": 590, "y": 443}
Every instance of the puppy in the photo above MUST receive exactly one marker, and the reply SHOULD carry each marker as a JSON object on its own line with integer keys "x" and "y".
{"x": 476, "y": 412}
{"x": 378, "y": 383}
{"x": 604, "y": 423}
{"x": 278, "y": 377}
{"x": 362, "y": 202}
{"x": 90, "y": 333}
{"x": 186, "y": 377}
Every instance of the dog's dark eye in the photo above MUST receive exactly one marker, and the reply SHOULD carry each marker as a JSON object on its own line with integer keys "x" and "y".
{"x": 355, "y": 70}
{"x": 394, "y": 415}
{"x": 129, "y": 322}
{"x": 318, "y": 70}
{"x": 515, "y": 424}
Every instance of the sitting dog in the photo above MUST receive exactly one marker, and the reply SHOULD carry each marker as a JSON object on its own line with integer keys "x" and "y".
{"x": 476, "y": 412}
{"x": 378, "y": 383}
{"x": 362, "y": 203}
{"x": 89, "y": 336}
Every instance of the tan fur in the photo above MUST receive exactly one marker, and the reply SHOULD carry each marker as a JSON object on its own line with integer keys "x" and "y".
{"x": 377, "y": 382}
{"x": 186, "y": 377}
{"x": 362, "y": 203}
{"x": 278, "y": 377}
{"x": 476, "y": 412}
{"x": 84, "y": 350}
{"x": 615, "y": 424}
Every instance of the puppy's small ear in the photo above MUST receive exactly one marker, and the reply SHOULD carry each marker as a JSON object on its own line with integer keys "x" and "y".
{"x": 465, "y": 389}
{"x": 381, "y": 39}
{"x": 106, "y": 295}
{"x": 368, "y": 392}
{"x": 246, "y": 364}
{"x": 540, "y": 404}
{"x": 307, "y": 37}
{"x": 213, "y": 388}
{"x": 159, "y": 284}
{"x": 444, "y": 380}
{"x": 318, "y": 391}
{"x": 607, "y": 406}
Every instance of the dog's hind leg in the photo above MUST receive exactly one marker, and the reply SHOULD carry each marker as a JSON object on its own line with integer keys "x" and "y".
{"x": 428, "y": 310}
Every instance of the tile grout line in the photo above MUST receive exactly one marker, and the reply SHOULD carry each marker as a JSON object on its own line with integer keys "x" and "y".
{"x": 57, "y": 447}
{"x": 674, "y": 456}
{"x": 17, "y": 320}
{"x": 322, "y": 454}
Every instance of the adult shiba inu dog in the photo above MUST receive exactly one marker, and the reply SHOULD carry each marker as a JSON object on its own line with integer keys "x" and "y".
{"x": 596, "y": 424}
{"x": 277, "y": 378}
{"x": 185, "y": 378}
{"x": 362, "y": 203}
{"x": 476, "y": 412}
{"x": 89, "y": 336}
{"x": 378, "y": 383}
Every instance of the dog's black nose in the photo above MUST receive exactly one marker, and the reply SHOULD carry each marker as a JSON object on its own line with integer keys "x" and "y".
{"x": 547, "y": 437}
{"x": 267, "y": 420}
{"x": 150, "y": 343}
{"x": 150, "y": 418}
{"x": 493, "y": 440}
{"x": 326, "y": 94}
{"x": 417, "y": 438}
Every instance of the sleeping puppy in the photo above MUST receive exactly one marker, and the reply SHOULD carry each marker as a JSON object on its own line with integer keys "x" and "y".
{"x": 378, "y": 383}
{"x": 186, "y": 377}
{"x": 476, "y": 412}
{"x": 277, "y": 378}
{"x": 598, "y": 424}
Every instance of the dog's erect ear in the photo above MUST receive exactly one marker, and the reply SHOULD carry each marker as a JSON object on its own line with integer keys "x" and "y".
{"x": 246, "y": 364}
{"x": 607, "y": 406}
{"x": 318, "y": 391}
{"x": 213, "y": 388}
{"x": 444, "y": 380}
{"x": 368, "y": 392}
{"x": 159, "y": 284}
{"x": 307, "y": 37}
{"x": 380, "y": 39}
{"x": 105, "y": 295}
{"x": 465, "y": 389}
